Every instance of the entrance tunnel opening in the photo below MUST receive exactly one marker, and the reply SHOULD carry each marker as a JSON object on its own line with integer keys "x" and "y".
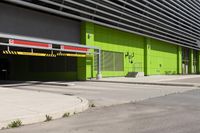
{"x": 15, "y": 67}
{"x": 26, "y": 58}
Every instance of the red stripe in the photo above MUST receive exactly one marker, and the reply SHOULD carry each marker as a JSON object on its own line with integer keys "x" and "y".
{"x": 29, "y": 43}
{"x": 75, "y": 48}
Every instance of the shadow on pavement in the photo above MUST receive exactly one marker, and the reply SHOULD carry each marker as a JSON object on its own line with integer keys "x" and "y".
{"x": 9, "y": 83}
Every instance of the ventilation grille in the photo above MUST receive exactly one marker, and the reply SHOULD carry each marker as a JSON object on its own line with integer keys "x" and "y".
{"x": 110, "y": 61}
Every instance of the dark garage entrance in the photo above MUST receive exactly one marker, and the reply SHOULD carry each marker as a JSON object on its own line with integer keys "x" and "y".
{"x": 26, "y": 58}
{"x": 4, "y": 69}
{"x": 14, "y": 67}
{"x": 33, "y": 23}
{"x": 56, "y": 37}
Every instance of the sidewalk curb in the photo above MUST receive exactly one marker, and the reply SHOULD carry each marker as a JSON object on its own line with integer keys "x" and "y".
{"x": 82, "y": 106}
{"x": 24, "y": 84}
{"x": 149, "y": 83}
{"x": 59, "y": 84}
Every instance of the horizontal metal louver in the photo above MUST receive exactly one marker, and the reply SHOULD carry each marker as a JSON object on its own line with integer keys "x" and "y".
{"x": 172, "y": 21}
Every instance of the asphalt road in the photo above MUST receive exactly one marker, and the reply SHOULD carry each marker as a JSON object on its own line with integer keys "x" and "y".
{"x": 175, "y": 113}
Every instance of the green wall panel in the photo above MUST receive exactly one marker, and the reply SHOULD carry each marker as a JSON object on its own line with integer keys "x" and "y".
{"x": 116, "y": 41}
{"x": 163, "y": 58}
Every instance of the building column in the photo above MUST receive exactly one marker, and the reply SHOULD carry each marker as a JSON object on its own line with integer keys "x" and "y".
{"x": 147, "y": 50}
{"x": 87, "y": 33}
{"x": 85, "y": 65}
{"x": 198, "y": 62}
{"x": 179, "y": 60}
{"x": 191, "y": 68}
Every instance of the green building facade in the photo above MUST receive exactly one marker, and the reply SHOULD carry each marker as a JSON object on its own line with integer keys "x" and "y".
{"x": 134, "y": 36}
{"x": 124, "y": 52}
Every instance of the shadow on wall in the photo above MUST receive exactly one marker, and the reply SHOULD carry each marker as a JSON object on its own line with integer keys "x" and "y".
{"x": 117, "y": 37}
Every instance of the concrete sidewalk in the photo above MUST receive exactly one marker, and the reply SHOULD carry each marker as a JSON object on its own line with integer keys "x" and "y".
{"x": 169, "y": 80}
{"x": 31, "y": 107}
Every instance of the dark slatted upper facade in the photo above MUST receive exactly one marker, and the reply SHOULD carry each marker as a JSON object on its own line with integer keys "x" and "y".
{"x": 176, "y": 21}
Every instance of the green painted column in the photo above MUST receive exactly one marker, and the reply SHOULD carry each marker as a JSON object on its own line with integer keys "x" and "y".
{"x": 179, "y": 60}
{"x": 87, "y": 33}
{"x": 85, "y": 64}
{"x": 147, "y": 50}
{"x": 191, "y": 68}
{"x": 198, "y": 62}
